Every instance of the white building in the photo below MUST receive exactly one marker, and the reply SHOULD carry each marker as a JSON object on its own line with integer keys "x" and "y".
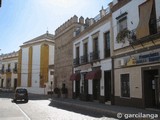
{"x": 137, "y": 55}
{"x": 92, "y": 58}
{"x": 36, "y": 64}
{"x": 8, "y": 70}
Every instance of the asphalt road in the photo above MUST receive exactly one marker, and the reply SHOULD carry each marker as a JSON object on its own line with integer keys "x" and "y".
{"x": 40, "y": 108}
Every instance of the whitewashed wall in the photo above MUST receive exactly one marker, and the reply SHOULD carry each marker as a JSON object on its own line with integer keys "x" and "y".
{"x": 36, "y": 66}
{"x": 102, "y": 29}
{"x": 90, "y": 87}
{"x": 24, "y": 68}
{"x": 106, "y": 64}
{"x": 157, "y": 3}
{"x": 51, "y": 54}
{"x": 132, "y": 17}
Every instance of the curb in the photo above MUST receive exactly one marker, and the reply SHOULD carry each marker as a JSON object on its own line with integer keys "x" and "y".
{"x": 109, "y": 113}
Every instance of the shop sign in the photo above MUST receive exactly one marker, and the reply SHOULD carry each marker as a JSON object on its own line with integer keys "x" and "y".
{"x": 151, "y": 57}
{"x": 145, "y": 58}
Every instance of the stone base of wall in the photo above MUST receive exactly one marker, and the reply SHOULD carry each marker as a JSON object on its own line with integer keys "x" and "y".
{"x": 131, "y": 102}
{"x": 102, "y": 99}
{"x": 84, "y": 97}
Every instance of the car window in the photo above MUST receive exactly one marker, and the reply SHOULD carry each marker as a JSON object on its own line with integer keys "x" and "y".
{"x": 21, "y": 90}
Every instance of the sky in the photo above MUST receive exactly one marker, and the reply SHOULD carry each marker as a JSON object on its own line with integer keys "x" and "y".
{"x": 23, "y": 20}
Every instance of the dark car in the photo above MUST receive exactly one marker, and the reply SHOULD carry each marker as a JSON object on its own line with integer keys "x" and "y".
{"x": 21, "y": 94}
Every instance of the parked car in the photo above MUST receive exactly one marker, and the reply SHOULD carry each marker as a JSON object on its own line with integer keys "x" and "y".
{"x": 21, "y": 94}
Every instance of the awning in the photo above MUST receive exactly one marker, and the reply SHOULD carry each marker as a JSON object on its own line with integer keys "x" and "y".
{"x": 75, "y": 76}
{"x": 96, "y": 74}
{"x": 145, "y": 12}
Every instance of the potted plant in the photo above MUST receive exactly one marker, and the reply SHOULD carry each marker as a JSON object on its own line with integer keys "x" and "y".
{"x": 56, "y": 92}
{"x": 122, "y": 35}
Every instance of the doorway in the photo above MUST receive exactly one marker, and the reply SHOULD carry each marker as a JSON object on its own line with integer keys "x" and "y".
{"x": 15, "y": 83}
{"x": 151, "y": 86}
{"x": 8, "y": 84}
{"x": 107, "y": 85}
{"x": 2, "y": 80}
{"x": 96, "y": 89}
{"x": 77, "y": 88}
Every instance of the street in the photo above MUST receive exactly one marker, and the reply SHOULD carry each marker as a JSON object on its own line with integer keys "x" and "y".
{"x": 37, "y": 109}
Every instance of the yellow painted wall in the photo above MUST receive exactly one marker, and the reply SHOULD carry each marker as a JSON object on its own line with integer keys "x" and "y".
{"x": 19, "y": 67}
{"x": 44, "y": 61}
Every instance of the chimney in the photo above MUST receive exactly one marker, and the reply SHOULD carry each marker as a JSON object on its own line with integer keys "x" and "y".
{"x": 91, "y": 21}
{"x": 102, "y": 12}
{"x": 110, "y": 5}
{"x": 87, "y": 21}
{"x": 81, "y": 20}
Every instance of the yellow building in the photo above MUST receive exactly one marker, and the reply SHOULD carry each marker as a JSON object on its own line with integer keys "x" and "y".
{"x": 8, "y": 70}
{"x": 36, "y": 61}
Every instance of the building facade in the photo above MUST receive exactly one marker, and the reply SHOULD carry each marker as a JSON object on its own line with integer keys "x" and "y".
{"x": 36, "y": 64}
{"x": 136, "y": 29}
{"x": 92, "y": 77}
{"x": 64, "y": 53}
{"x": 8, "y": 70}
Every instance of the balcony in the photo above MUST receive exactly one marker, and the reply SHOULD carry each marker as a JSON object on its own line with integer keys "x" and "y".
{"x": 76, "y": 61}
{"x": 107, "y": 53}
{"x": 154, "y": 34}
{"x": 94, "y": 56}
{"x": 84, "y": 59}
{"x": 8, "y": 70}
{"x": 14, "y": 70}
{"x": 2, "y": 71}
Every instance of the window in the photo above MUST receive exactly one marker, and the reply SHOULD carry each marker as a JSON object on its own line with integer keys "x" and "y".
{"x": 15, "y": 67}
{"x": 85, "y": 48}
{"x": 107, "y": 44}
{"x": 95, "y": 44}
{"x": 3, "y": 67}
{"x": 84, "y": 58}
{"x": 125, "y": 87}
{"x": 122, "y": 24}
{"x": 8, "y": 69}
{"x": 95, "y": 54}
{"x": 76, "y": 60}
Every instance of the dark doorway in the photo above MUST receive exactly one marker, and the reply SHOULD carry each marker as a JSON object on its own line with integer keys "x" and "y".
{"x": 8, "y": 84}
{"x": 150, "y": 88}
{"x": 15, "y": 83}
{"x": 86, "y": 87}
{"x": 2, "y": 80}
{"x": 96, "y": 89}
{"x": 107, "y": 85}
{"x": 77, "y": 88}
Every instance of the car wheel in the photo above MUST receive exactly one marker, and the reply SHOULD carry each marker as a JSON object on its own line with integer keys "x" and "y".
{"x": 26, "y": 100}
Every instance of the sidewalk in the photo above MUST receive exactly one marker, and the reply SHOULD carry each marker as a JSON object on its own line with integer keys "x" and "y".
{"x": 104, "y": 109}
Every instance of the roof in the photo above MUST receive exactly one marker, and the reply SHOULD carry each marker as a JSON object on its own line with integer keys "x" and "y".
{"x": 46, "y": 36}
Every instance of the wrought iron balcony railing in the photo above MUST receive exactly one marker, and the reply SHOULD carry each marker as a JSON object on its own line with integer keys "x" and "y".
{"x": 84, "y": 59}
{"x": 2, "y": 71}
{"x": 76, "y": 61}
{"x": 94, "y": 55}
{"x": 8, "y": 70}
{"x": 14, "y": 70}
{"x": 107, "y": 53}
